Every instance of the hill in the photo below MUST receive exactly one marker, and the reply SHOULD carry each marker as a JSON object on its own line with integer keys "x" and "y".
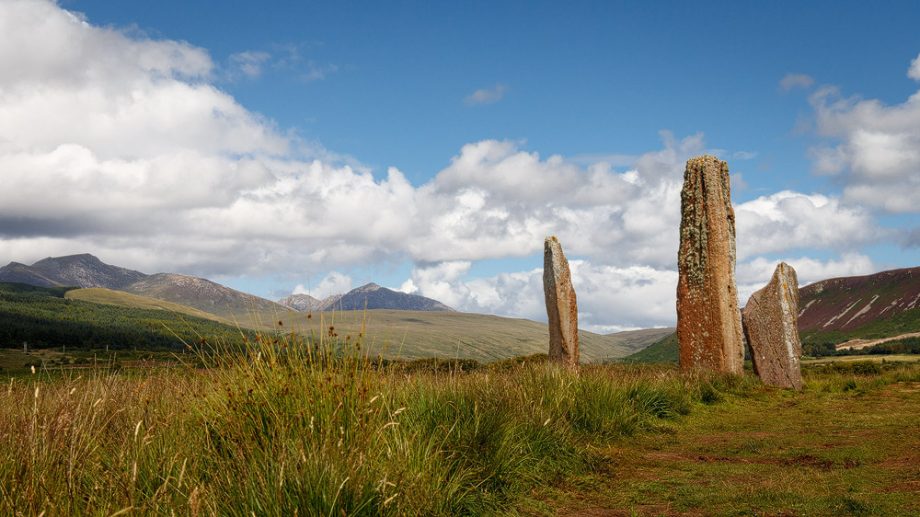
{"x": 391, "y": 333}
{"x": 420, "y": 334}
{"x": 45, "y": 317}
{"x": 662, "y": 351}
{"x": 87, "y": 271}
{"x": 82, "y": 270}
{"x": 836, "y": 311}
{"x": 849, "y": 303}
{"x": 123, "y": 299}
{"x": 203, "y": 294}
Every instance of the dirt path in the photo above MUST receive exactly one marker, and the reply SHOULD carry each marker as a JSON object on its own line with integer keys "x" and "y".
{"x": 859, "y": 344}
{"x": 778, "y": 454}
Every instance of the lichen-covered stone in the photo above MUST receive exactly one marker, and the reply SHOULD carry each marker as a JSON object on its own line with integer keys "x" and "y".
{"x": 561, "y": 307}
{"x": 770, "y": 320}
{"x": 708, "y": 320}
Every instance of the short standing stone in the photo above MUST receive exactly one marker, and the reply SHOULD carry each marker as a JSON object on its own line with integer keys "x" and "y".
{"x": 708, "y": 321}
{"x": 561, "y": 307}
{"x": 771, "y": 326}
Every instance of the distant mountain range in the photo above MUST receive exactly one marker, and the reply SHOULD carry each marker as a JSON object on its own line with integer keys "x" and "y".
{"x": 71, "y": 271}
{"x": 369, "y": 296}
{"x": 87, "y": 271}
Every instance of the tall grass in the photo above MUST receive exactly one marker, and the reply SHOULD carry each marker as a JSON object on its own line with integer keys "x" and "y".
{"x": 313, "y": 427}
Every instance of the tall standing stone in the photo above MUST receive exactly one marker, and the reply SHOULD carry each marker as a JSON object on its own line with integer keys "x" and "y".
{"x": 708, "y": 320}
{"x": 561, "y": 307}
{"x": 772, "y": 329}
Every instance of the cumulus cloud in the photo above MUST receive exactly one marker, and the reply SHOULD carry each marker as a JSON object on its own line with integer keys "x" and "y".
{"x": 793, "y": 81}
{"x": 332, "y": 283}
{"x": 633, "y": 297}
{"x": 123, "y": 146}
{"x": 788, "y": 220}
{"x": 754, "y": 274}
{"x": 486, "y": 95}
{"x": 873, "y": 147}
{"x": 914, "y": 71}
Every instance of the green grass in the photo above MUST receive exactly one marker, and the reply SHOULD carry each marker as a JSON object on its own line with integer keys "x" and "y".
{"x": 123, "y": 299}
{"x": 320, "y": 430}
{"x": 401, "y": 334}
{"x": 847, "y": 445}
{"x": 662, "y": 351}
{"x": 44, "y": 317}
{"x": 901, "y": 323}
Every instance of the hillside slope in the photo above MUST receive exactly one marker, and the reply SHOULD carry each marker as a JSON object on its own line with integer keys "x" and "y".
{"x": 418, "y": 334}
{"x": 204, "y": 295}
{"x": 846, "y": 304}
{"x": 45, "y": 317}
{"x": 837, "y": 310}
{"x": 82, "y": 270}
{"x": 134, "y": 301}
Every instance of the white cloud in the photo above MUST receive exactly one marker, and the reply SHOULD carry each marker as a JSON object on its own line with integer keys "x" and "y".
{"x": 792, "y": 81}
{"x": 122, "y": 146}
{"x": 332, "y": 283}
{"x": 486, "y": 95}
{"x": 754, "y": 274}
{"x": 791, "y": 220}
{"x": 249, "y": 63}
{"x": 873, "y": 147}
{"x": 914, "y": 71}
{"x": 633, "y": 297}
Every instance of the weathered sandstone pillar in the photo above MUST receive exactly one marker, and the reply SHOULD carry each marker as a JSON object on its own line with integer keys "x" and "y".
{"x": 708, "y": 320}
{"x": 771, "y": 326}
{"x": 561, "y": 308}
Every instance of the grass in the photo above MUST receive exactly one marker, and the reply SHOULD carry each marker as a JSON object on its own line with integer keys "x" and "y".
{"x": 847, "y": 445}
{"x": 123, "y": 299}
{"x": 664, "y": 350}
{"x": 288, "y": 428}
{"x": 394, "y": 334}
{"x": 900, "y": 323}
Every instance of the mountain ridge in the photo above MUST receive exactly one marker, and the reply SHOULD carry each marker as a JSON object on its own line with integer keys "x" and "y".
{"x": 370, "y": 296}
{"x": 88, "y": 271}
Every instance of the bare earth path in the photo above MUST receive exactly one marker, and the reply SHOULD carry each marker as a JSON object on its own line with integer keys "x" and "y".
{"x": 859, "y": 344}
{"x": 811, "y": 453}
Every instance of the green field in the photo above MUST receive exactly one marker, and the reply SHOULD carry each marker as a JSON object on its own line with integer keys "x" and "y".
{"x": 286, "y": 431}
{"x": 662, "y": 351}
{"x": 46, "y": 318}
{"x": 79, "y": 318}
{"x": 847, "y": 445}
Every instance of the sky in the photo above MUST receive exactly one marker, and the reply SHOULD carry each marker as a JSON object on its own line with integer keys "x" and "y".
{"x": 289, "y": 146}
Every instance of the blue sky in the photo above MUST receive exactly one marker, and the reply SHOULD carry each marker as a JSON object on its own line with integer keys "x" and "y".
{"x": 496, "y": 116}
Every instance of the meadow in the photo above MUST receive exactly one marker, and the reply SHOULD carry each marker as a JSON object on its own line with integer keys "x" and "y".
{"x": 287, "y": 428}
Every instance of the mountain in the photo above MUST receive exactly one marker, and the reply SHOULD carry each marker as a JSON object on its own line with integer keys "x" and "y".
{"x": 300, "y": 302}
{"x": 370, "y": 296}
{"x": 72, "y": 271}
{"x": 17, "y": 273}
{"x": 846, "y": 304}
{"x": 203, "y": 294}
{"x": 87, "y": 271}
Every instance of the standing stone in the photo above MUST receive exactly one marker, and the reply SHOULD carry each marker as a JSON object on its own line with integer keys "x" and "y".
{"x": 772, "y": 329}
{"x": 561, "y": 308}
{"x": 708, "y": 321}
